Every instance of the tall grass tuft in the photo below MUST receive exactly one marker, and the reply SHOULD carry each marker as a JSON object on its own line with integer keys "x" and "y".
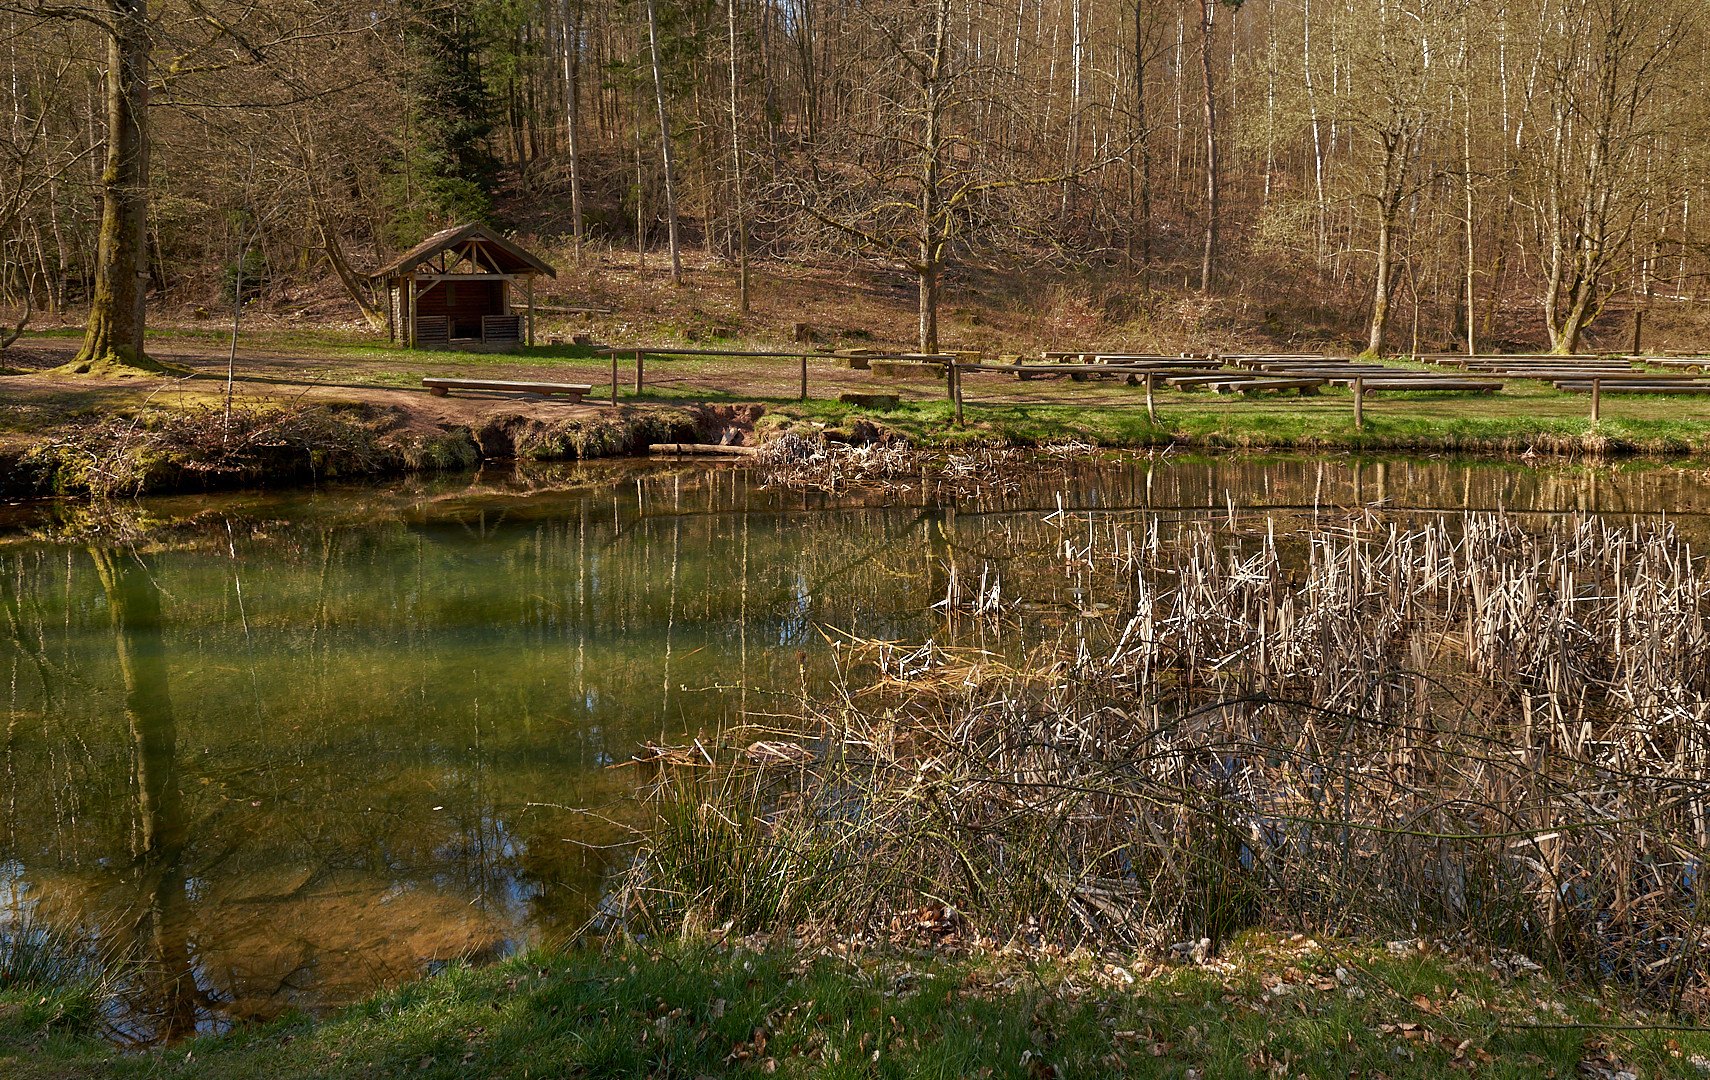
{"x": 52, "y": 981}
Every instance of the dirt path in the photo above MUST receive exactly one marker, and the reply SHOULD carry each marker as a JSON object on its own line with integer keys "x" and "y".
{"x": 381, "y": 376}
{"x": 267, "y": 377}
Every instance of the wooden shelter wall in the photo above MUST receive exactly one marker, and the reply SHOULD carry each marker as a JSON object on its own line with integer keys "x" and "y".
{"x": 468, "y": 299}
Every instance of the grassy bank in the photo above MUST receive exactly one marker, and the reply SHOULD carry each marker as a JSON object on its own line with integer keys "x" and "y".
{"x": 325, "y": 404}
{"x": 149, "y": 450}
{"x": 156, "y": 450}
{"x": 1276, "y": 1005}
{"x": 1542, "y": 422}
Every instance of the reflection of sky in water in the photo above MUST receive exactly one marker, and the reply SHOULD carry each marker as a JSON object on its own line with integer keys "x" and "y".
{"x": 371, "y": 688}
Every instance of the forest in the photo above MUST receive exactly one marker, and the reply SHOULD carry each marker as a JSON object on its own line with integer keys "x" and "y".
{"x": 1498, "y": 172}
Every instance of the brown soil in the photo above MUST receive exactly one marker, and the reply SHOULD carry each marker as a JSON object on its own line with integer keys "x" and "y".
{"x": 271, "y": 377}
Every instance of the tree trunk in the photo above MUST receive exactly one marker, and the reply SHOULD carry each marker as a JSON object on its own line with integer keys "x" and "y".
{"x": 1381, "y": 288}
{"x": 932, "y": 227}
{"x": 116, "y": 317}
{"x": 928, "y": 275}
{"x": 1208, "y": 255}
{"x": 572, "y": 43}
{"x": 1145, "y": 201}
{"x": 736, "y": 171}
{"x": 353, "y": 285}
{"x": 665, "y": 145}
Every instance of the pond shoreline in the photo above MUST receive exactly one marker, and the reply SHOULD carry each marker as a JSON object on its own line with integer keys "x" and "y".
{"x": 161, "y": 451}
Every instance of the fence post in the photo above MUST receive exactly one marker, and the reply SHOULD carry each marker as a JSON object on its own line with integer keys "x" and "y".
{"x": 804, "y": 376}
{"x": 1359, "y": 404}
{"x": 614, "y": 376}
{"x": 1151, "y": 405}
{"x": 638, "y": 371}
{"x": 1596, "y": 399}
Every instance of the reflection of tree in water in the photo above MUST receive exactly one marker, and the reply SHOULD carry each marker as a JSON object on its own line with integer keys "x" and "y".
{"x": 336, "y": 786}
{"x": 133, "y": 602}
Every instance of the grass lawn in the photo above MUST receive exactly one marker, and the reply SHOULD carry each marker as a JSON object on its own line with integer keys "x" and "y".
{"x": 1280, "y": 1006}
{"x": 998, "y": 409}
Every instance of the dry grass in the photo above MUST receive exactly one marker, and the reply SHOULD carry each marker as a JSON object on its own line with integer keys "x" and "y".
{"x": 1458, "y": 728}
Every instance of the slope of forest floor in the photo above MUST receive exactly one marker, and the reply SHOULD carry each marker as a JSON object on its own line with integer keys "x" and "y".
{"x": 1274, "y": 1005}
{"x": 307, "y": 351}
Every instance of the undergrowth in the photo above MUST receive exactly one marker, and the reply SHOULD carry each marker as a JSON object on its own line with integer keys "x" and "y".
{"x": 1461, "y": 728}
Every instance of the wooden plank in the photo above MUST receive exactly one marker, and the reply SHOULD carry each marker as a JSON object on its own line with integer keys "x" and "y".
{"x": 1186, "y": 381}
{"x": 1635, "y": 388}
{"x": 558, "y": 309}
{"x": 714, "y": 449}
{"x": 1253, "y": 386}
{"x": 440, "y": 387}
{"x": 1429, "y": 384}
{"x": 1089, "y": 369}
{"x": 432, "y": 329}
{"x": 500, "y": 328}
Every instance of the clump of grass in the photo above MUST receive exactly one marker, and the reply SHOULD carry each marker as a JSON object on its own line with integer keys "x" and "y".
{"x": 52, "y": 982}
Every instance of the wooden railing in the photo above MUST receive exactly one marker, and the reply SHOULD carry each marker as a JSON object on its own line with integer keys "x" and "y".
{"x": 432, "y": 330}
{"x": 501, "y": 328}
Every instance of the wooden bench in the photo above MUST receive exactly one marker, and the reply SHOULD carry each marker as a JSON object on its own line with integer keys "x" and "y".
{"x": 1428, "y": 383}
{"x": 1253, "y": 386}
{"x": 1247, "y": 360}
{"x": 1080, "y": 372}
{"x": 1606, "y": 387}
{"x": 1192, "y": 382}
{"x": 573, "y": 391}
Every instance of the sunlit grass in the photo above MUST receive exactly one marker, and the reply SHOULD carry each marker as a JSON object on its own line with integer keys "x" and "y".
{"x": 698, "y": 1010}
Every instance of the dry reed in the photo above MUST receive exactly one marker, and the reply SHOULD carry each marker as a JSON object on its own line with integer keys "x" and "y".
{"x": 1459, "y": 727}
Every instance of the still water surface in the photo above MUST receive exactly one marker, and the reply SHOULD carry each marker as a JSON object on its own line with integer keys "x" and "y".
{"x": 285, "y": 749}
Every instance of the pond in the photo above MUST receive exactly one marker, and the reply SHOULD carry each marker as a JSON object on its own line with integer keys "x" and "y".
{"x": 285, "y": 749}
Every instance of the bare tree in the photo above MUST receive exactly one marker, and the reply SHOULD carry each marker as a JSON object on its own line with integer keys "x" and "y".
{"x": 665, "y": 149}
{"x": 901, "y": 178}
{"x": 1607, "y": 64}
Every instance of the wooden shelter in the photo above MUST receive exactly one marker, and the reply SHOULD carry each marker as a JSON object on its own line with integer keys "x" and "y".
{"x": 457, "y": 289}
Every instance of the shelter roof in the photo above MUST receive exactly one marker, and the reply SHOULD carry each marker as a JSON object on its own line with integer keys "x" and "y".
{"x": 504, "y": 256}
